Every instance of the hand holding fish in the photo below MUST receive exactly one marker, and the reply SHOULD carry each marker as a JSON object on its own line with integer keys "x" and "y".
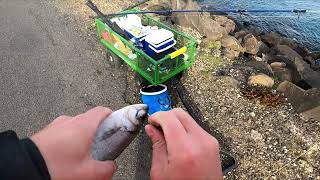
{"x": 65, "y": 145}
{"x": 83, "y": 147}
{"x": 184, "y": 150}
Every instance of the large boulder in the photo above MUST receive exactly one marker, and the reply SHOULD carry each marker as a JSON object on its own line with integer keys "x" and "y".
{"x": 229, "y": 26}
{"x": 303, "y": 51}
{"x": 281, "y": 72}
{"x": 231, "y": 43}
{"x": 241, "y": 33}
{"x": 315, "y": 55}
{"x": 183, "y": 4}
{"x": 313, "y": 114}
{"x": 263, "y": 48}
{"x": 261, "y": 80}
{"x": 203, "y": 23}
{"x": 309, "y": 60}
{"x": 220, "y": 19}
{"x": 289, "y": 42}
{"x": 255, "y": 31}
{"x": 260, "y": 67}
{"x": 199, "y": 21}
{"x": 230, "y": 54}
{"x": 289, "y": 52}
{"x": 272, "y": 38}
{"x": 225, "y": 22}
{"x": 242, "y": 72}
{"x": 251, "y": 44}
{"x": 300, "y": 99}
{"x": 212, "y": 30}
{"x": 306, "y": 73}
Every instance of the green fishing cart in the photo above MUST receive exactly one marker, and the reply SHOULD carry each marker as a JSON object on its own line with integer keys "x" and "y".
{"x": 155, "y": 71}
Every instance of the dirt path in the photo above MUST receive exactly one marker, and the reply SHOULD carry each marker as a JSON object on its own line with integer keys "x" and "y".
{"x": 51, "y": 63}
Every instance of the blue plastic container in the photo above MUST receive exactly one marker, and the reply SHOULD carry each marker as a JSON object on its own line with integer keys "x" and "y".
{"x": 156, "y": 97}
{"x": 154, "y": 51}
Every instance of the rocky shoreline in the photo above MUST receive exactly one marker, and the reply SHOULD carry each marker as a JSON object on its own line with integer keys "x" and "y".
{"x": 259, "y": 89}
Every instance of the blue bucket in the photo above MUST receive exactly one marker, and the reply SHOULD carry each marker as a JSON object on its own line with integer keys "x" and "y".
{"x": 156, "y": 97}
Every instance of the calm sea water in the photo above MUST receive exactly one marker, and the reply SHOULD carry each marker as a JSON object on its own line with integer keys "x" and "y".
{"x": 304, "y": 28}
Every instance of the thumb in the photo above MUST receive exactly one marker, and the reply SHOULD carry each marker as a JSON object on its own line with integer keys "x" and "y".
{"x": 159, "y": 146}
{"x": 102, "y": 169}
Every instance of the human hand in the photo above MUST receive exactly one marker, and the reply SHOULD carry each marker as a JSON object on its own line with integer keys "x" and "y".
{"x": 65, "y": 145}
{"x": 184, "y": 150}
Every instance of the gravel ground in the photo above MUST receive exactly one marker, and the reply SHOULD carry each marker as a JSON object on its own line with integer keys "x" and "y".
{"x": 264, "y": 138}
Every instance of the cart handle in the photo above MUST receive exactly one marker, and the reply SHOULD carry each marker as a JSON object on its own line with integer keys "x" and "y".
{"x": 178, "y": 52}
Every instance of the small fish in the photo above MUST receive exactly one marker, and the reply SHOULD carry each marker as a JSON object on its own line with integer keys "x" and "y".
{"x": 117, "y": 131}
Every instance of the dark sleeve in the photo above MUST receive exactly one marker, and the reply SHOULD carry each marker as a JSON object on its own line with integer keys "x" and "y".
{"x": 20, "y": 159}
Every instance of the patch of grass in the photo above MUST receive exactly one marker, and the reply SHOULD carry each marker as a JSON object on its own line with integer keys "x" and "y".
{"x": 276, "y": 83}
{"x": 215, "y": 45}
{"x": 211, "y": 61}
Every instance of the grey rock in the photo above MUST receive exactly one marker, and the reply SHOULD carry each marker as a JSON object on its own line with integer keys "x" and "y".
{"x": 283, "y": 74}
{"x": 309, "y": 60}
{"x": 199, "y": 21}
{"x": 288, "y": 52}
{"x": 225, "y": 22}
{"x": 230, "y": 53}
{"x": 304, "y": 70}
{"x": 315, "y": 55}
{"x": 271, "y": 38}
{"x": 257, "y": 32}
{"x": 289, "y": 42}
{"x": 300, "y": 99}
{"x": 241, "y": 72}
{"x": 313, "y": 114}
{"x": 241, "y": 34}
{"x": 231, "y": 43}
{"x": 260, "y": 67}
{"x": 263, "y": 48}
{"x": 251, "y": 44}
{"x": 221, "y": 20}
{"x": 255, "y": 58}
{"x": 278, "y": 65}
{"x": 229, "y": 26}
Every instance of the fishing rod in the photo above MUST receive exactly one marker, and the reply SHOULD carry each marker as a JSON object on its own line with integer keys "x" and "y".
{"x": 106, "y": 20}
{"x": 166, "y": 12}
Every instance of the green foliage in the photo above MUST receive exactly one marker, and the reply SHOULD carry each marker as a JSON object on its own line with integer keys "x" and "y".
{"x": 215, "y": 45}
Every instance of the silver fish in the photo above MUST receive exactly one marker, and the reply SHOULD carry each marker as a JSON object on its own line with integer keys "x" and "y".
{"x": 117, "y": 131}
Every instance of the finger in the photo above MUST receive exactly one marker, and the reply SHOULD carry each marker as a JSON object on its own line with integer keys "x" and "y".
{"x": 190, "y": 125}
{"x": 174, "y": 133}
{"x": 101, "y": 169}
{"x": 159, "y": 147}
{"x": 94, "y": 117}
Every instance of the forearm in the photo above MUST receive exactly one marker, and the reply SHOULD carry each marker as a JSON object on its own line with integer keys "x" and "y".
{"x": 20, "y": 159}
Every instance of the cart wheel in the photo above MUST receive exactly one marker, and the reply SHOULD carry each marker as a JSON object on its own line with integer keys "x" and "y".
{"x": 181, "y": 74}
{"x": 114, "y": 60}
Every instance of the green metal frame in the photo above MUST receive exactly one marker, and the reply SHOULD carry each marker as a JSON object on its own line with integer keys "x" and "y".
{"x": 146, "y": 66}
